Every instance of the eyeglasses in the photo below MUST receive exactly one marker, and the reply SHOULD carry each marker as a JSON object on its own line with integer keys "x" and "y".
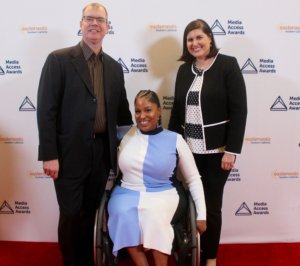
{"x": 90, "y": 19}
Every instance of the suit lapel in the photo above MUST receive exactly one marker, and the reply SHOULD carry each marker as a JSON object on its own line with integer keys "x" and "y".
{"x": 80, "y": 64}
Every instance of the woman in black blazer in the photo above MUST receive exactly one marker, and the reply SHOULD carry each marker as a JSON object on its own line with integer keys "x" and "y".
{"x": 210, "y": 110}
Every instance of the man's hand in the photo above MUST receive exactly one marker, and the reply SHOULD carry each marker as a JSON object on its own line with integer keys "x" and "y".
{"x": 51, "y": 168}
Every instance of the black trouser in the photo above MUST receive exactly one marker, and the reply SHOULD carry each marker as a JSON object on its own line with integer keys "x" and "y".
{"x": 78, "y": 199}
{"x": 213, "y": 179}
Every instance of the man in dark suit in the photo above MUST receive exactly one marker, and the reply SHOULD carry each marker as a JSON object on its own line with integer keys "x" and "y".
{"x": 81, "y": 103}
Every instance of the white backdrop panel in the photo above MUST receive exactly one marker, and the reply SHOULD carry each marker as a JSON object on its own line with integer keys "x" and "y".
{"x": 261, "y": 202}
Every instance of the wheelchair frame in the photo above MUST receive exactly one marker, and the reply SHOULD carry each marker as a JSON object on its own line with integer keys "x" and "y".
{"x": 186, "y": 247}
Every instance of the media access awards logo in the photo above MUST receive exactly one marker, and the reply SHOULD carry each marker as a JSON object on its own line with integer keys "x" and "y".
{"x": 265, "y": 66}
{"x": 280, "y": 105}
{"x": 21, "y": 207}
{"x": 137, "y": 65}
{"x": 258, "y": 208}
{"x": 234, "y": 27}
{"x": 12, "y": 67}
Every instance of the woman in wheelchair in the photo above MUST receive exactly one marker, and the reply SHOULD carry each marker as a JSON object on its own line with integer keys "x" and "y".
{"x": 143, "y": 204}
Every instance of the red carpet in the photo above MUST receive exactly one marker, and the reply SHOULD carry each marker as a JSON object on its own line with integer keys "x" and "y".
{"x": 47, "y": 254}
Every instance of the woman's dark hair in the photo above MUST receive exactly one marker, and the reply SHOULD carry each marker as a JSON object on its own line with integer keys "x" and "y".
{"x": 193, "y": 25}
{"x": 151, "y": 96}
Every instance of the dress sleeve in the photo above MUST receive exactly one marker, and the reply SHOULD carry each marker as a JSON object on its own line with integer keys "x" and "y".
{"x": 191, "y": 176}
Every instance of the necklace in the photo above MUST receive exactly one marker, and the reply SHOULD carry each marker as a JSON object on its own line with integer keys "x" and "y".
{"x": 204, "y": 64}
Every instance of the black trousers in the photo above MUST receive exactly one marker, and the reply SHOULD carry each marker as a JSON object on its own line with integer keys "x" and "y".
{"x": 213, "y": 179}
{"x": 78, "y": 198}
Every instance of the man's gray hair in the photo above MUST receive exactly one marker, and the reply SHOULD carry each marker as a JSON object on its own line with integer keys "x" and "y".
{"x": 94, "y": 5}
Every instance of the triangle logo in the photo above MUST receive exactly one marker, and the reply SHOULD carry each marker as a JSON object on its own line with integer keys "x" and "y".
{"x": 6, "y": 209}
{"x": 125, "y": 68}
{"x": 243, "y": 210}
{"x": 249, "y": 67}
{"x": 27, "y": 105}
{"x": 217, "y": 28}
{"x": 278, "y": 105}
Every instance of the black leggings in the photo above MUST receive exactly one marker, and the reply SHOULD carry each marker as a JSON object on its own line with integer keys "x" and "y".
{"x": 213, "y": 179}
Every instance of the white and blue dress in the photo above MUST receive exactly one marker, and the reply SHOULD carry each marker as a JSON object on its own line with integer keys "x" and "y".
{"x": 142, "y": 206}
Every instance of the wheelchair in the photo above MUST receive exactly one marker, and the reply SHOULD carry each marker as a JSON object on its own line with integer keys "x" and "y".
{"x": 186, "y": 244}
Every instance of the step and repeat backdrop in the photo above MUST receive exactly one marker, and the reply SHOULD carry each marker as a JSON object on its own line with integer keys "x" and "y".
{"x": 261, "y": 202}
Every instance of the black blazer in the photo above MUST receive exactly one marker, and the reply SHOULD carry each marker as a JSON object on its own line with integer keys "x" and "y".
{"x": 223, "y": 103}
{"x": 67, "y": 106}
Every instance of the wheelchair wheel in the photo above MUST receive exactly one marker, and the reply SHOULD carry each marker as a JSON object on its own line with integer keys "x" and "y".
{"x": 186, "y": 248}
{"x": 195, "y": 237}
{"x": 102, "y": 242}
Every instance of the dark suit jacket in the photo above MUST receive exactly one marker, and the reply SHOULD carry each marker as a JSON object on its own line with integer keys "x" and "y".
{"x": 67, "y": 106}
{"x": 223, "y": 103}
